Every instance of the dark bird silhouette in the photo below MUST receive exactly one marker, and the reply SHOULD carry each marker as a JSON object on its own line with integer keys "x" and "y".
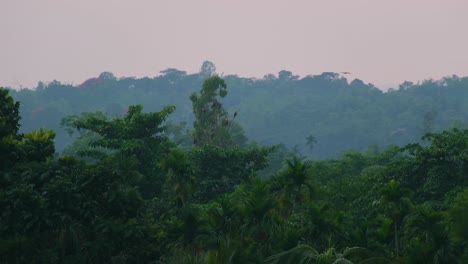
{"x": 235, "y": 114}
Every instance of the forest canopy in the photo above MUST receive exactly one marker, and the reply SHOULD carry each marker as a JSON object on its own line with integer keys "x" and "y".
{"x": 338, "y": 112}
{"x": 156, "y": 183}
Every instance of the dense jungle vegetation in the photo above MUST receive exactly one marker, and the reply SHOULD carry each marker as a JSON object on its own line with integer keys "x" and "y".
{"x": 319, "y": 116}
{"x": 137, "y": 188}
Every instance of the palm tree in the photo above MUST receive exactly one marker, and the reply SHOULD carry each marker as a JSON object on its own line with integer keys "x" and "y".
{"x": 224, "y": 253}
{"x": 180, "y": 174}
{"x": 322, "y": 223}
{"x": 262, "y": 225}
{"x": 297, "y": 176}
{"x": 304, "y": 254}
{"x": 258, "y": 202}
{"x": 194, "y": 229}
{"x": 395, "y": 200}
{"x": 310, "y": 142}
{"x": 428, "y": 231}
{"x": 421, "y": 224}
{"x": 294, "y": 178}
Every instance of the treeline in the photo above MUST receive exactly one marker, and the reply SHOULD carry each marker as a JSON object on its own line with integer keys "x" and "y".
{"x": 319, "y": 116}
{"x": 131, "y": 191}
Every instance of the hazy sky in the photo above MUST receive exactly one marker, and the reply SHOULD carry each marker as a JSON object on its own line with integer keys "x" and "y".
{"x": 380, "y": 41}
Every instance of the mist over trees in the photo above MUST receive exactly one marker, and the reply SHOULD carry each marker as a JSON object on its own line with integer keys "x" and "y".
{"x": 340, "y": 114}
{"x": 202, "y": 168}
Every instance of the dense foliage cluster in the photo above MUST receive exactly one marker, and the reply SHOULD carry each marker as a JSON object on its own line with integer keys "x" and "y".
{"x": 339, "y": 114}
{"x": 135, "y": 189}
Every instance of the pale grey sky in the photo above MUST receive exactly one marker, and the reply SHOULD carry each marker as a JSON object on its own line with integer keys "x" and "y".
{"x": 380, "y": 41}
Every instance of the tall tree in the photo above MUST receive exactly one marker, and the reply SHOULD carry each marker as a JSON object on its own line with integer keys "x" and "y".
{"x": 212, "y": 125}
{"x": 9, "y": 126}
{"x": 397, "y": 204}
{"x": 180, "y": 175}
{"x": 297, "y": 176}
{"x": 137, "y": 140}
{"x": 9, "y": 114}
{"x": 207, "y": 69}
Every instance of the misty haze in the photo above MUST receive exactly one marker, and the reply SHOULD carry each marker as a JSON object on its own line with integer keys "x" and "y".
{"x": 233, "y": 132}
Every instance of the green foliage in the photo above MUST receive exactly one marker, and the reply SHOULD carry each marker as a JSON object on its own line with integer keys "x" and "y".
{"x": 440, "y": 167}
{"x": 180, "y": 174}
{"x": 137, "y": 138}
{"x": 459, "y": 217}
{"x": 9, "y": 126}
{"x": 427, "y": 234}
{"x": 397, "y": 205}
{"x": 137, "y": 198}
{"x": 297, "y": 175}
{"x": 305, "y": 254}
{"x": 212, "y": 125}
{"x": 340, "y": 114}
{"x": 38, "y": 145}
{"x": 9, "y": 114}
{"x": 220, "y": 170}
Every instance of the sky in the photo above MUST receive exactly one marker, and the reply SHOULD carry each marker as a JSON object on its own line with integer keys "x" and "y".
{"x": 383, "y": 42}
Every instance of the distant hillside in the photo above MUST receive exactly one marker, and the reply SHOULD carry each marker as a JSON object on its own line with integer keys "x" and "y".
{"x": 332, "y": 112}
